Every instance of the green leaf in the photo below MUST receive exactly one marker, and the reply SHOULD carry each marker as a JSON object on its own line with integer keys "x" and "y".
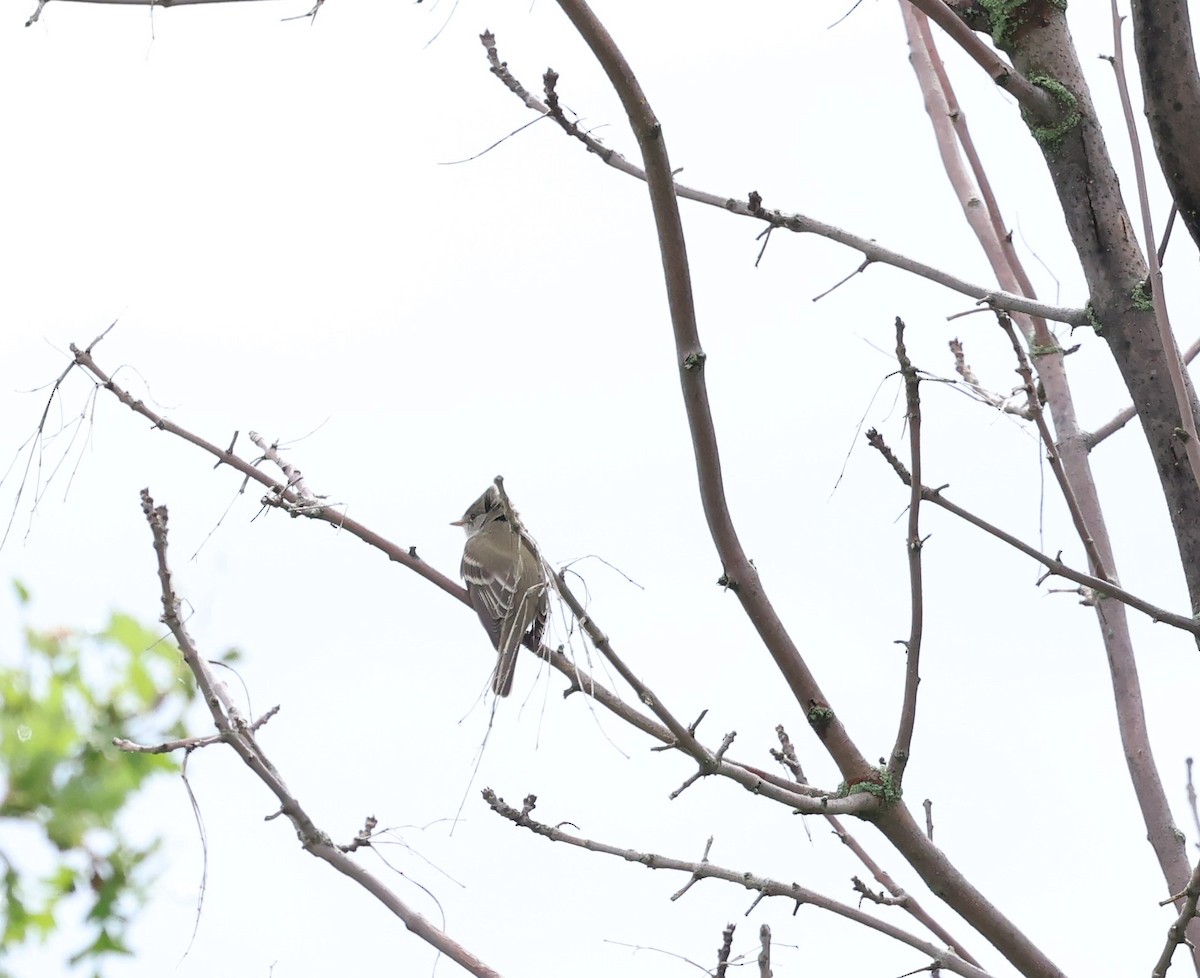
{"x": 60, "y": 774}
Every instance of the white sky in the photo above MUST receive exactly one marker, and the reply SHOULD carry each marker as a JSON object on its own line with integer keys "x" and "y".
{"x": 262, "y": 205}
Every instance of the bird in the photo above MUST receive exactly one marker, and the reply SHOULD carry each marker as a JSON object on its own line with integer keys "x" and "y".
{"x": 506, "y": 583}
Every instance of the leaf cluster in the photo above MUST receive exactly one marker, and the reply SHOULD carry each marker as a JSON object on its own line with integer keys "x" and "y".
{"x": 63, "y": 785}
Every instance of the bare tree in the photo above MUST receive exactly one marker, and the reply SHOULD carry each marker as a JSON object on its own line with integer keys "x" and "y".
{"x": 1027, "y": 50}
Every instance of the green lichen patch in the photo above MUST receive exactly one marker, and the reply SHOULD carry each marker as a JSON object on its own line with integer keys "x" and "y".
{"x": 1050, "y": 137}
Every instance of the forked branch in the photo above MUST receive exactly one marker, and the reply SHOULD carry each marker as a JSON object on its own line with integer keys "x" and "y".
{"x": 762, "y": 885}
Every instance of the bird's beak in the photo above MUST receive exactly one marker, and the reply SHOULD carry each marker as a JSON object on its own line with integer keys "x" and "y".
{"x": 459, "y": 523}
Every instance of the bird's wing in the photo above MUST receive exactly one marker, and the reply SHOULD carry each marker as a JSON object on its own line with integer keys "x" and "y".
{"x": 491, "y": 592}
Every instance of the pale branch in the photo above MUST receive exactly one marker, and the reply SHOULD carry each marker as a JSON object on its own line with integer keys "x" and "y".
{"x": 33, "y": 18}
{"x": 167, "y": 746}
{"x": 955, "y": 144}
{"x": 1052, "y": 564}
{"x": 795, "y": 222}
{"x": 1154, "y": 283}
{"x": 235, "y": 731}
{"x": 877, "y": 897}
{"x": 1099, "y": 565}
{"x": 295, "y": 480}
{"x": 762, "y": 885}
{"x": 1035, "y": 101}
{"x": 913, "y": 543}
{"x": 188, "y": 744}
{"x": 740, "y": 574}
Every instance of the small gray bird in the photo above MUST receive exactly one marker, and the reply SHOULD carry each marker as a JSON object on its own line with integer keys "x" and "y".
{"x": 505, "y": 582}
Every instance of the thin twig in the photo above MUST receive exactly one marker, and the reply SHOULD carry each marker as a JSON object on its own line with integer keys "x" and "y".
{"x": 1177, "y": 932}
{"x": 279, "y": 494}
{"x": 902, "y": 898}
{"x": 912, "y": 672}
{"x": 683, "y": 737}
{"x": 1025, "y": 371}
{"x": 762, "y": 885}
{"x": 188, "y": 744}
{"x": 234, "y": 730}
{"x": 1055, "y": 566}
{"x": 795, "y": 222}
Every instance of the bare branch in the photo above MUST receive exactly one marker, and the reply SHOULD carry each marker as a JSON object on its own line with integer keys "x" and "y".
{"x": 786, "y": 755}
{"x": 764, "y": 886}
{"x": 1177, "y": 932}
{"x": 1052, "y": 564}
{"x": 1095, "y": 559}
{"x": 682, "y": 736}
{"x": 277, "y": 491}
{"x": 188, "y": 744}
{"x": 33, "y": 18}
{"x": 900, "y": 897}
{"x": 913, "y": 543}
{"x": 235, "y": 731}
{"x": 798, "y": 223}
{"x": 1033, "y": 99}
